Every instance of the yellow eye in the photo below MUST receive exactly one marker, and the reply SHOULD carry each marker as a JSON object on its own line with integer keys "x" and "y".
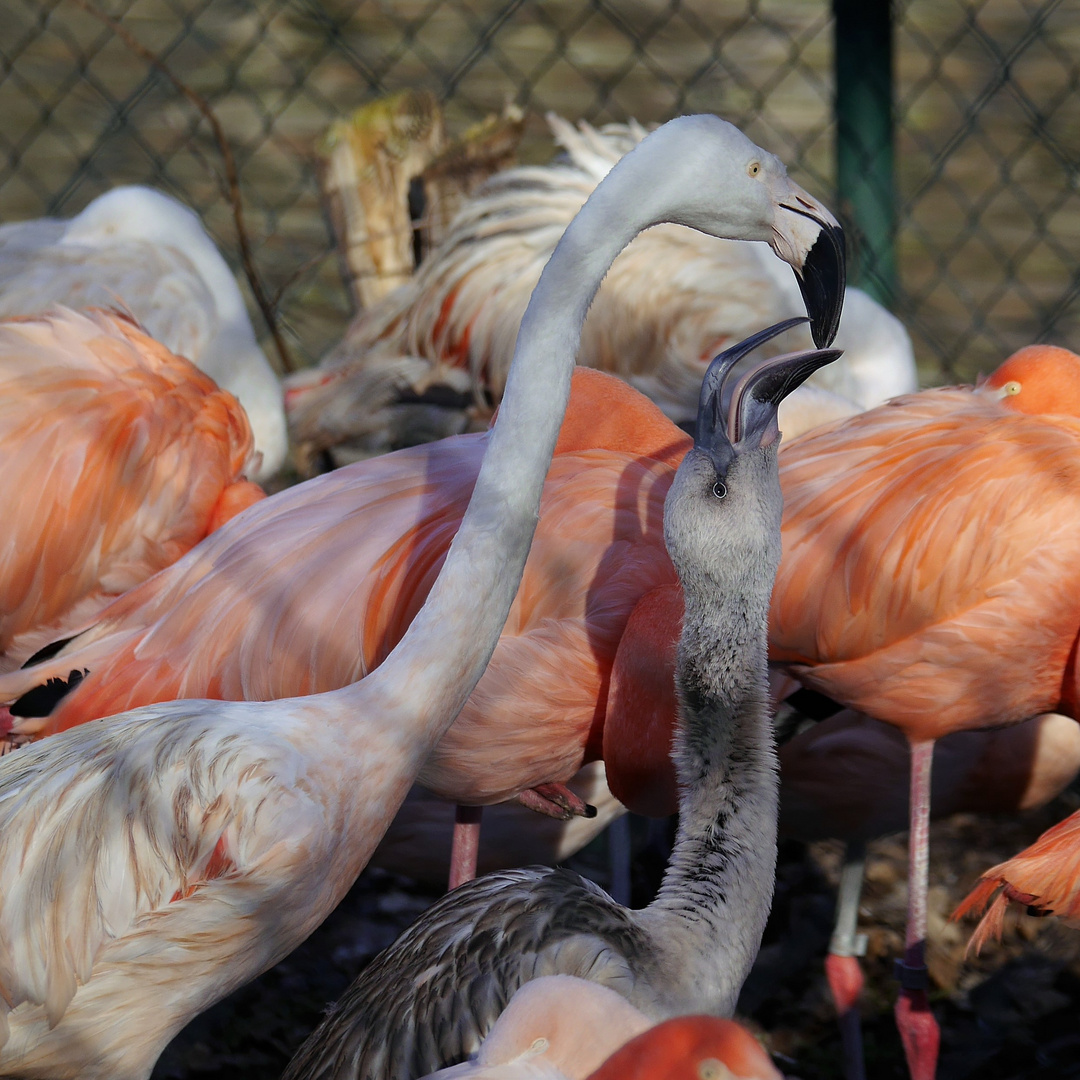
{"x": 712, "y": 1069}
{"x": 538, "y": 1045}
{"x": 753, "y": 169}
{"x": 1011, "y": 389}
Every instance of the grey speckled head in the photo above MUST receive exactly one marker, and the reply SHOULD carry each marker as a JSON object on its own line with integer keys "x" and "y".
{"x": 722, "y": 516}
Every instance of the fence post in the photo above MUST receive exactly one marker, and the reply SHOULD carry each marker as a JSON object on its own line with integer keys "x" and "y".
{"x": 864, "y": 139}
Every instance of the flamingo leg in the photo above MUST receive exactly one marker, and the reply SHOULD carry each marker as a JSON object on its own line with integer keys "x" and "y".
{"x": 919, "y": 1030}
{"x": 465, "y": 846}
{"x": 842, "y": 965}
{"x": 618, "y": 833}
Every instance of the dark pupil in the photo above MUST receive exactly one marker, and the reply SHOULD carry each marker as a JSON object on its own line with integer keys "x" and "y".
{"x": 718, "y": 489}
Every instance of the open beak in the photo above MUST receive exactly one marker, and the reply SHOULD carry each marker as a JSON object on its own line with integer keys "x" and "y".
{"x": 714, "y": 402}
{"x": 810, "y": 240}
{"x": 755, "y": 398}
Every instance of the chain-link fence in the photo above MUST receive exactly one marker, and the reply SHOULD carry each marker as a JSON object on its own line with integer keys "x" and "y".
{"x": 987, "y": 115}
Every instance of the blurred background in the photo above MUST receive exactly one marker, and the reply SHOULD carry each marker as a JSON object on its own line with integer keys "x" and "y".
{"x": 963, "y": 198}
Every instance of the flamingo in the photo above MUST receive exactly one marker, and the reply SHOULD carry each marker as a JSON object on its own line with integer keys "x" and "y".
{"x": 147, "y": 252}
{"x": 416, "y": 366}
{"x": 118, "y": 457}
{"x": 930, "y": 580}
{"x": 561, "y": 1028}
{"x": 157, "y": 860}
{"x": 426, "y": 1001}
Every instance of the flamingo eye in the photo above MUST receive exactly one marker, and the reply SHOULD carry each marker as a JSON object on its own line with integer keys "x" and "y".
{"x": 1011, "y": 389}
{"x": 753, "y": 168}
{"x": 538, "y": 1045}
{"x": 719, "y": 489}
{"x": 713, "y": 1069}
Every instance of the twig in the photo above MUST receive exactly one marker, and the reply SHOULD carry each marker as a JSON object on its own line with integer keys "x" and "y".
{"x": 232, "y": 180}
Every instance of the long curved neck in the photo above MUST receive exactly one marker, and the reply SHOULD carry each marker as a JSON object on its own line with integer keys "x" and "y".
{"x": 710, "y": 913}
{"x": 430, "y": 674}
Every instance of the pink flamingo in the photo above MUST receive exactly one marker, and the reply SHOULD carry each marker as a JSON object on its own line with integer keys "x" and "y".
{"x": 562, "y": 1028}
{"x": 931, "y": 569}
{"x": 118, "y": 457}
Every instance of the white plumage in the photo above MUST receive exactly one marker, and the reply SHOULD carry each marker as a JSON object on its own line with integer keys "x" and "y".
{"x": 148, "y": 254}
{"x": 671, "y": 301}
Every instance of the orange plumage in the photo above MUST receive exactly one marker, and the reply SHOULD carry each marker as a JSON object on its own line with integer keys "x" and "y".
{"x": 118, "y": 457}
{"x": 312, "y": 590}
{"x": 931, "y": 571}
{"x": 1044, "y": 876}
{"x": 690, "y": 1048}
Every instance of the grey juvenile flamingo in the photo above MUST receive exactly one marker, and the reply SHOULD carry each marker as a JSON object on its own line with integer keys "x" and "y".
{"x": 429, "y": 999}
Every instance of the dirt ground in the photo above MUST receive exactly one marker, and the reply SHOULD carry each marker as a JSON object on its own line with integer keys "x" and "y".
{"x": 1010, "y": 1014}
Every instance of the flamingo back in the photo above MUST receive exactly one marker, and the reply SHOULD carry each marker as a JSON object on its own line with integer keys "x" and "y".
{"x": 118, "y": 457}
{"x": 931, "y": 555}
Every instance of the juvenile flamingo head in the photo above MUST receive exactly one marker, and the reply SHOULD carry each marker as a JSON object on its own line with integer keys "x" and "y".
{"x": 1038, "y": 380}
{"x": 690, "y": 1048}
{"x": 722, "y": 514}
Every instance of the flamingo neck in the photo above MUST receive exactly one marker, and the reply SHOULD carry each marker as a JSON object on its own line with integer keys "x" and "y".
{"x": 423, "y": 684}
{"x": 710, "y": 913}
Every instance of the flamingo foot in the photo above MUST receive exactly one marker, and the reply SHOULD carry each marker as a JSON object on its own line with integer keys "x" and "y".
{"x": 557, "y": 801}
{"x": 465, "y": 846}
{"x": 919, "y": 1032}
{"x": 846, "y": 983}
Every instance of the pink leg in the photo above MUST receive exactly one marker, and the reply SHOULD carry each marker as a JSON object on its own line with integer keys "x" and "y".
{"x": 466, "y": 844}
{"x": 918, "y": 1029}
{"x": 842, "y": 965}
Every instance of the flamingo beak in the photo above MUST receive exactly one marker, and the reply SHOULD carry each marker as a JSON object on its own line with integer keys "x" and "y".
{"x": 755, "y": 398}
{"x": 714, "y": 402}
{"x": 809, "y": 239}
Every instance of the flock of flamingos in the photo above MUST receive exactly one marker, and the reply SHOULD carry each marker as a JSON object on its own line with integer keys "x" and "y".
{"x": 214, "y": 704}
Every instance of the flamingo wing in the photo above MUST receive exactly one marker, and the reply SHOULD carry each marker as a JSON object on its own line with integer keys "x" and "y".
{"x": 114, "y": 827}
{"x": 116, "y": 456}
{"x": 307, "y": 591}
{"x": 406, "y": 1015}
{"x": 925, "y": 536}
{"x": 1044, "y": 876}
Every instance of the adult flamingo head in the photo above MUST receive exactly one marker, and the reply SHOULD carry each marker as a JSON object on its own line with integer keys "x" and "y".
{"x": 742, "y": 192}
{"x": 690, "y": 1048}
{"x": 1038, "y": 380}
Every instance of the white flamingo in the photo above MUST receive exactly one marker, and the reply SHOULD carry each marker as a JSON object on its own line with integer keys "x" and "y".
{"x": 417, "y": 365}
{"x": 147, "y": 252}
{"x": 156, "y": 860}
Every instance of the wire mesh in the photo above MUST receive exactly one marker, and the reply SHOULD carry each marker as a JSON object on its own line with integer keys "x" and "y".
{"x": 986, "y": 108}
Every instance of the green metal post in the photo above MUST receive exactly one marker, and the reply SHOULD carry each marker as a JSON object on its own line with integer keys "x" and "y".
{"x": 864, "y": 139}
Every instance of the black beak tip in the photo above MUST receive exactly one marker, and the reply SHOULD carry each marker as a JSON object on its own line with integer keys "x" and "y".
{"x": 822, "y": 282}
